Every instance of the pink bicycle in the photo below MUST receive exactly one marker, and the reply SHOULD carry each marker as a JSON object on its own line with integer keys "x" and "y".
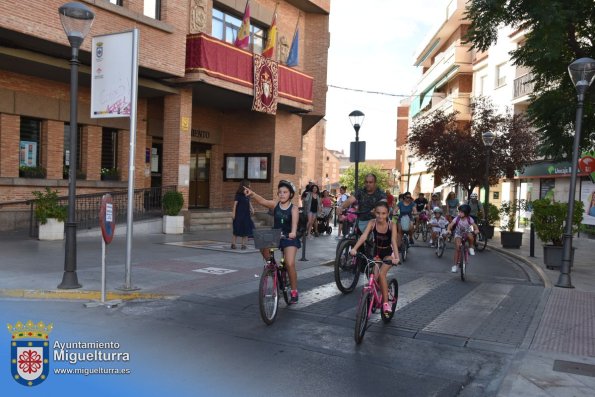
{"x": 371, "y": 298}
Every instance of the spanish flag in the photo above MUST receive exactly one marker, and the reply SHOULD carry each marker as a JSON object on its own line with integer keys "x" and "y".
{"x": 243, "y": 39}
{"x": 269, "y": 48}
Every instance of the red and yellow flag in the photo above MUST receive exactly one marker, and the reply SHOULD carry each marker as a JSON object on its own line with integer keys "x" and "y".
{"x": 269, "y": 48}
{"x": 243, "y": 39}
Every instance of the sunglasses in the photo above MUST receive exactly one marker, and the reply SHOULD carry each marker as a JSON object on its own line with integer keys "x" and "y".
{"x": 408, "y": 197}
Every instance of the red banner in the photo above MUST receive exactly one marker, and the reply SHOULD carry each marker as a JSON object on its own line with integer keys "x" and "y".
{"x": 266, "y": 85}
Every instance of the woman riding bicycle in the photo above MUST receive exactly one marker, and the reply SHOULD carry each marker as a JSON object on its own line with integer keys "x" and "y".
{"x": 407, "y": 211}
{"x": 286, "y": 218}
{"x": 463, "y": 225}
{"x": 385, "y": 238}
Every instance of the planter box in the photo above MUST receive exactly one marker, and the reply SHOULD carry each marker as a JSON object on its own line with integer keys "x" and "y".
{"x": 552, "y": 256}
{"x": 511, "y": 239}
{"x": 52, "y": 230}
{"x": 109, "y": 177}
{"x": 173, "y": 224}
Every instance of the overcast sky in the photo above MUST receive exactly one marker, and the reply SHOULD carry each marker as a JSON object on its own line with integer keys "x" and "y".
{"x": 372, "y": 47}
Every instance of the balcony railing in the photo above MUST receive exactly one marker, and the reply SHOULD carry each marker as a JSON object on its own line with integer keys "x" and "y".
{"x": 523, "y": 85}
{"x": 221, "y": 60}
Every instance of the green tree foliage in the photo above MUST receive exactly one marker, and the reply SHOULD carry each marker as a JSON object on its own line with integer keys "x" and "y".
{"x": 558, "y": 32}
{"x": 454, "y": 149}
{"x": 364, "y": 169}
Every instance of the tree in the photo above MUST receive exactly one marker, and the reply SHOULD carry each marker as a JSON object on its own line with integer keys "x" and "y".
{"x": 558, "y": 32}
{"x": 455, "y": 149}
{"x": 364, "y": 169}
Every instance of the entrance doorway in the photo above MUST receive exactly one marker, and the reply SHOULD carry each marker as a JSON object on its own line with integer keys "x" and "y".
{"x": 200, "y": 160}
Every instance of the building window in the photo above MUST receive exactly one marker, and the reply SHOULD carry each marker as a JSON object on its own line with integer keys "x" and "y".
{"x": 226, "y": 27}
{"x": 79, "y": 146}
{"x": 500, "y": 75}
{"x": 152, "y": 9}
{"x": 255, "y": 167}
{"x": 30, "y": 140}
{"x": 109, "y": 148}
{"x": 483, "y": 84}
{"x": 116, "y": 2}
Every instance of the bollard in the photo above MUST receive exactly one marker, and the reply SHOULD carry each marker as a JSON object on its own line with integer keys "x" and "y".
{"x": 532, "y": 241}
{"x": 304, "y": 238}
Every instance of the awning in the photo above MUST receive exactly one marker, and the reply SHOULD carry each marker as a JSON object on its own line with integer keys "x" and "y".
{"x": 447, "y": 76}
{"x": 427, "y": 99}
{"x": 414, "y": 108}
{"x": 440, "y": 188}
{"x": 427, "y": 183}
{"x": 412, "y": 182}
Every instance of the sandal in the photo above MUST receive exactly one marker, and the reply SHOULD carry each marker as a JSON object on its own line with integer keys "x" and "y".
{"x": 233, "y": 246}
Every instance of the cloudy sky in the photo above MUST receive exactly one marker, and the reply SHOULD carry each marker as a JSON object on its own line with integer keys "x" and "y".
{"x": 372, "y": 49}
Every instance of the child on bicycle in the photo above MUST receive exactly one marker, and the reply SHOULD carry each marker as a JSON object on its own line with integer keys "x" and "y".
{"x": 286, "y": 217}
{"x": 385, "y": 242}
{"x": 463, "y": 225}
{"x": 438, "y": 223}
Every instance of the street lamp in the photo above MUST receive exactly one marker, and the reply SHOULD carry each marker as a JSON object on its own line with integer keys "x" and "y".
{"x": 409, "y": 161}
{"x": 76, "y": 20}
{"x": 395, "y": 173}
{"x": 488, "y": 139}
{"x": 582, "y": 73}
{"x": 357, "y": 119}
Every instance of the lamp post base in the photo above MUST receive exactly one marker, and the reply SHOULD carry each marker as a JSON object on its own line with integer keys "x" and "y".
{"x": 69, "y": 281}
{"x": 564, "y": 281}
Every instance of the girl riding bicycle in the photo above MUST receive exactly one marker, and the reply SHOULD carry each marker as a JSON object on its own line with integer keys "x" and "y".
{"x": 438, "y": 223}
{"x": 286, "y": 218}
{"x": 463, "y": 225}
{"x": 385, "y": 239}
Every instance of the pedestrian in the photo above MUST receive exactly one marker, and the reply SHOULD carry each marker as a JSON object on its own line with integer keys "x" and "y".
{"x": 241, "y": 215}
{"x": 452, "y": 206}
{"x": 313, "y": 207}
{"x": 340, "y": 200}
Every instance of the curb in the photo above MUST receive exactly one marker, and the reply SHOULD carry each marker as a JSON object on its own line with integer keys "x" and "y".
{"x": 80, "y": 295}
{"x": 535, "y": 267}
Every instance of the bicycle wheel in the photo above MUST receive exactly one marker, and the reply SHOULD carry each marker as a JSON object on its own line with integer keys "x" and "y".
{"x": 462, "y": 260}
{"x": 268, "y": 296}
{"x": 480, "y": 241}
{"x": 284, "y": 286}
{"x": 441, "y": 244}
{"x": 393, "y": 297}
{"x": 424, "y": 232}
{"x": 416, "y": 232}
{"x": 346, "y": 267}
{"x": 361, "y": 316}
{"x": 404, "y": 248}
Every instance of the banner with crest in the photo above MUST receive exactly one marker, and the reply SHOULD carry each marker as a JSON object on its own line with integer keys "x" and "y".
{"x": 266, "y": 85}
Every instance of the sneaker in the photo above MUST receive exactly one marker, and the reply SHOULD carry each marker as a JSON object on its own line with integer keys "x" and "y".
{"x": 233, "y": 246}
{"x": 471, "y": 251}
{"x": 431, "y": 242}
{"x": 454, "y": 269}
{"x": 386, "y": 308}
{"x": 294, "y": 297}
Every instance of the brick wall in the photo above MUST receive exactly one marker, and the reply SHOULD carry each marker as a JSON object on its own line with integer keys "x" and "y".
{"x": 52, "y": 148}
{"x": 9, "y": 145}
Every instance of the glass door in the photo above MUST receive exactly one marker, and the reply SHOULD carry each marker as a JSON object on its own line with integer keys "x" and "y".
{"x": 200, "y": 159}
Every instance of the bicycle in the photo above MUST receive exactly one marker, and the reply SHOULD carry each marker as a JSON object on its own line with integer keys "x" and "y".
{"x": 274, "y": 278}
{"x": 440, "y": 243}
{"x": 481, "y": 240}
{"x": 422, "y": 226}
{"x": 463, "y": 256}
{"x": 405, "y": 243}
{"x": 371, "y": 298}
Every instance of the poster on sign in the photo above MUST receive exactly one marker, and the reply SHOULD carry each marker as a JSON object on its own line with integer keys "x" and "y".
{"x": 588, "y": 199}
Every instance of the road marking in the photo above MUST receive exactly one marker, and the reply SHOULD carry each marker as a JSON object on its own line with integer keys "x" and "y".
{"x": 214, "y": 270}
{"x": 316, "y": 295}
{"x": 465, "y": 316}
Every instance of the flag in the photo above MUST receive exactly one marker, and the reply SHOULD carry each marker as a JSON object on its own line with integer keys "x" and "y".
{"x": 243, "y": 39}
{"x": 269, "y": 48}
{"x": 292, "y": 58}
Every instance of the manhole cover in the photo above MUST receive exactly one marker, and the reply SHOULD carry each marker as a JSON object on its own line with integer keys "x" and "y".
{"x": 572, "y": 367}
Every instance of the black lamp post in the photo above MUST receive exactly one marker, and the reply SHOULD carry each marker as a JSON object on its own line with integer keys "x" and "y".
{"x": 409, "y": 161}
{"x": 357, "y": 119}
{"x": 488, "y": 139}
{"x": 76, "y": 20}
{"x": 582, "y": 73}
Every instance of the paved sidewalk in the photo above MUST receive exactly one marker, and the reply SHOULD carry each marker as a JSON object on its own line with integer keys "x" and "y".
{"x": 558, "y": 355}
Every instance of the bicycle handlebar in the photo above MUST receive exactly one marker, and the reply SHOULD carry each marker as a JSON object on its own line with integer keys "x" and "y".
{"x": 387, "y": 261}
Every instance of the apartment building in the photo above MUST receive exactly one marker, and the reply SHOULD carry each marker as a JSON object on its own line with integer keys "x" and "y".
{"x": 195, "y": 127}
{"x": 445, "y": 65}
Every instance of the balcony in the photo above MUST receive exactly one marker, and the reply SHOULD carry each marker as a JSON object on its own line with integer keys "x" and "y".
{"x": 453, "y": 103}
{"x": 523, "y": 86}
{"x": 222, "y": 65}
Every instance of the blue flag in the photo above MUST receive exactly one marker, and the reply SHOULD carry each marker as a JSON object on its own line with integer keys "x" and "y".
{"x": 292, "y": 58}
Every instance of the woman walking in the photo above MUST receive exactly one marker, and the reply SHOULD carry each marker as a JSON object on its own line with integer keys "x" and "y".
{"x": 241, "y": 215}
{"x": 312, "y": 206}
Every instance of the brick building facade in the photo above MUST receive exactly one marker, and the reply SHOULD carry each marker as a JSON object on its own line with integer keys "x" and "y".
{"x": 194, "y": 120}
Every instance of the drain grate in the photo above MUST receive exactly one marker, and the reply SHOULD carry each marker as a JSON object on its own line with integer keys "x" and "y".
{"x": 572, "y": 367}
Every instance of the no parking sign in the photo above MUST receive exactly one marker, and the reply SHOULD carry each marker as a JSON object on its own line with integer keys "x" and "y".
{"x": 107, "y": 218}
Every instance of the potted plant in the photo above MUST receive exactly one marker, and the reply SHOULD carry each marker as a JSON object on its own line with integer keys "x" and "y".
{"x": 173, "y": 223}
{"x": 109, "y": 174}
{"x": 31, "y": 172}
{"x": 79, "y": 173}
{"x": 492, "y": 218}
{"x": 549, "y": 219}
{"x": 508, "y": 212}
{"x": 50, "y": 214}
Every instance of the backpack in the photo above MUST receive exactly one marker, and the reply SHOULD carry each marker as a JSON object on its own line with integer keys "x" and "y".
{"x": 302, "y": 222}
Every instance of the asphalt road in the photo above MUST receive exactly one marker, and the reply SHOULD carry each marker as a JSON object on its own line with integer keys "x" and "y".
{"x": 447, "y": 338}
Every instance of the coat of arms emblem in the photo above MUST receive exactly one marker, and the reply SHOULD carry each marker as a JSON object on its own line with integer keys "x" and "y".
{"x": 29, "y": 352}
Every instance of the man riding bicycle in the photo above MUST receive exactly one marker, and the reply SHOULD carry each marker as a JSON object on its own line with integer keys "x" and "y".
{"x": 476, "y": 207}
{"x": 366, "y": 200}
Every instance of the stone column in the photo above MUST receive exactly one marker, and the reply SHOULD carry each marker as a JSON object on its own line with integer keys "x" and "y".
{"x": 10, "y": 126}
{"x": 92, "y": 140}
